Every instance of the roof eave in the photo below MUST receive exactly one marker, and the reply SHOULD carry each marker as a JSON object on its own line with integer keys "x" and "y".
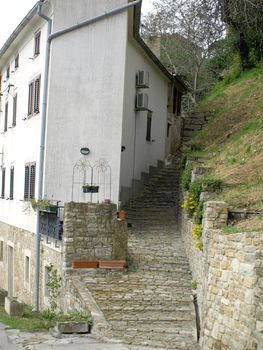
{"x": 18, "y": 29}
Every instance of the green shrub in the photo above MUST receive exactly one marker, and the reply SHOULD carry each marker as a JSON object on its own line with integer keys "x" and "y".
{"x": 234, "y": 70}
{"x": 186, "y": 179}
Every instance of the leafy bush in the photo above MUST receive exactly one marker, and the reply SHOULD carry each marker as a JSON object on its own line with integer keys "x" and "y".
{"x": 186, "y": 179}
{"x": 197, "y": 234}
{"x": 198, "y": 216}
{"x": 234, "y": 70}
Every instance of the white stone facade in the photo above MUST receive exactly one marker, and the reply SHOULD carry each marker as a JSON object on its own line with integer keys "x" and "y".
{"x": 91, "y": 103}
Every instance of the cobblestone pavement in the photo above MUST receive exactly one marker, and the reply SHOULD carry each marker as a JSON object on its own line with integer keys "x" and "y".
{"x": 151, "y": 303}
{"x": 14, "y": 340}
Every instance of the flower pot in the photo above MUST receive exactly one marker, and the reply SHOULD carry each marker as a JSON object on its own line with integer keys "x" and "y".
{"x": 121, "y": 215}
{"x": 85, "y": 264}
{"x": 90, "y": 189}
{"x": 112, "y": 264}
{"x": 52, "y": 209}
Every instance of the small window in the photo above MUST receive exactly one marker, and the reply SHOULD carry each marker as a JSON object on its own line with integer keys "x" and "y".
{"x": 37, "y": 44}
{"x": 149, "y": 126}
{"x": 8, "y": 72}
{"x": 14, "y": 110}
{"x": 1, "y": 250}
{"x": 17, "y": 61}
{"x": 3, "y": 184}
{"x": 177, "y": 101}
{"x": 34, "y": 97}
{"x": 6, "y": 117}
{"x": 168, "y": 129}
{"x": 27, "y": 269}
{"x": 30, "y": 179}
{"x": 12, "y": 173}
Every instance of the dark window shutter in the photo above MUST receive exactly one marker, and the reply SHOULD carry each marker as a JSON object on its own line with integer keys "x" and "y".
{"x": 179, "y": 103}
{"x": 30, "y": 99}
{"x": 3, "y": 183}
{"x": 149, "y": 126}
{"x": 14, "y": 110}
{"x": 26, "y": 189}
{"x": 6, "y": 116}
{"x": 12, "y": 173}
{"x": 175, "y": 101}
{"x": 32, "y": 181}
{"x": 36, "y": 95}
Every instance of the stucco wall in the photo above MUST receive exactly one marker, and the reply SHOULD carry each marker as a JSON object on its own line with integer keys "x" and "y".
{"x": 85, "y": 95}
{"x": 229, "y": 272}
{"x": 23, "y": 244}
{"x": 139, "y": 154}
{"x": 20, "y": 144}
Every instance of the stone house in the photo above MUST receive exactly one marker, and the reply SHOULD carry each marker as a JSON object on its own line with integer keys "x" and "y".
{"x": 75, "y": 75}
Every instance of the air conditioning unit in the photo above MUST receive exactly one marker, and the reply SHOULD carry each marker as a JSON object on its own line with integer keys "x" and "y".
{"x": 141, "y": 101}
{"x": 142, "y": 79}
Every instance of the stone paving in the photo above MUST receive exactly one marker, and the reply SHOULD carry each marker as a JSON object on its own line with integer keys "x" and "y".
{"x": 150, "y": 304}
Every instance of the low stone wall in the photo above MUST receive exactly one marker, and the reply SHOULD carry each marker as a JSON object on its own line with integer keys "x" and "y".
{"x": 230, "y": 275}
{"x": 91, "y": 231}
{"x": 21, "y": 270}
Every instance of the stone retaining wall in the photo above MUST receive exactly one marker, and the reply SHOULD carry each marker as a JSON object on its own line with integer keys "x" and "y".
{"x": 229, "y": 272}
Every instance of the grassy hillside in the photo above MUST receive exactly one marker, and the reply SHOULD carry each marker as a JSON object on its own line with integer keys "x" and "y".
{"x": 233, "y": 139}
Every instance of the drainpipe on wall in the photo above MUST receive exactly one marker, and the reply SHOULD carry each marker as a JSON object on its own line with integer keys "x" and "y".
{"x": 50, "y": 37}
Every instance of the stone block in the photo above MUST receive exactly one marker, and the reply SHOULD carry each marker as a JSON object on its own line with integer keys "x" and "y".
{"x": 13, "y": 307}
{"x": 3, "y": 294}
{"x": 72, "y": 327}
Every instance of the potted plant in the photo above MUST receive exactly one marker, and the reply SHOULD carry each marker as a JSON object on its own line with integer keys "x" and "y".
{"x": 90, "y": 188}
{"x": 43, "y": 205}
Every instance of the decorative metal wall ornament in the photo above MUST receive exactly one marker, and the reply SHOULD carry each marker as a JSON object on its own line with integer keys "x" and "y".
{"x": 94, "y": 179}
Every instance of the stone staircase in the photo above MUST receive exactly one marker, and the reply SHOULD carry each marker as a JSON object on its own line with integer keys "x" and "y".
{"x": 193, "y": 122}
{"x": 151, "y": 303}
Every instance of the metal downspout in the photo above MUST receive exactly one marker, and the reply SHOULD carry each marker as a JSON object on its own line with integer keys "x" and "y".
{"x": 41, "y": 157}
{"x": 50, "y": 37}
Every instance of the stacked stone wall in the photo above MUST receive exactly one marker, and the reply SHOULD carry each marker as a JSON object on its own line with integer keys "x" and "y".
{"x": 229, "y": 272}
{"x": 92, "y": 232}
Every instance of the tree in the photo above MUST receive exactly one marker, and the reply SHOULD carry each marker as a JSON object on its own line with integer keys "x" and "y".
{"x": 186, "y": 31}
{"x": 245, "y": 19}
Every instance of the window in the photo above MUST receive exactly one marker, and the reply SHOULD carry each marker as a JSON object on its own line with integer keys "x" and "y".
{"x": 17, "y": 61}
{"x": 168, "y": 129}
{"x": 3, "y": 183}
{"x": 14, "y": 110}
{"x": 149, "y": 126}
{"x": 30, "y": 179}
{"x": 6, "y": 117}
{"x": 37, "y": 44}
{"x": 34, "y": 97}
{"x": 12, "y": 173}
{"x": 177, "y": 102}
{"x": 1, "y": 250}
{"x": 27, "y": 269}
{"x": 8, "y": 72}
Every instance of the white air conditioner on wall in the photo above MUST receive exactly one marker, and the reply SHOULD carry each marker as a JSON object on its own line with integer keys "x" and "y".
{"x": 142, "y": 79}
{"x": 141, "y": 101}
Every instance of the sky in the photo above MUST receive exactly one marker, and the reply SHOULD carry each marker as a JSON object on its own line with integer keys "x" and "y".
{"x": 13, "y": 11}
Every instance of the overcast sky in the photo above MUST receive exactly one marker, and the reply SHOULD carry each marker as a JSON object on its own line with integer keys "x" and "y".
{"x": 13, "y": 11}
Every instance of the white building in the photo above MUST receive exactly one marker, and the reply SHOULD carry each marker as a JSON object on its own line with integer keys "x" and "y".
{"x": 91, "y": 103}
{"x": 78, "y": 75}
